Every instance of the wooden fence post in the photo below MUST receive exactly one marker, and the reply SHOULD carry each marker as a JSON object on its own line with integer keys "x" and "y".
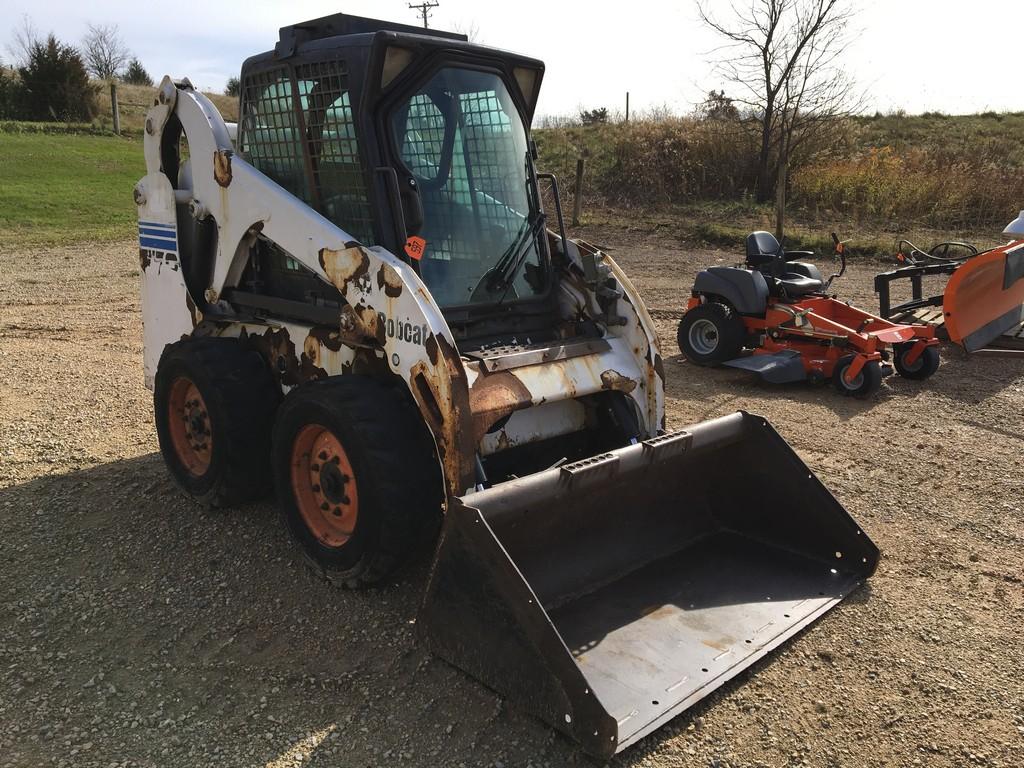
{"x": 113, "y": 107}
{"x": 577, "y": 207}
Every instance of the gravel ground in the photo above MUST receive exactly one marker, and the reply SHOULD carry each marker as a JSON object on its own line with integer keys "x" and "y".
{"x": 138, "y": 630}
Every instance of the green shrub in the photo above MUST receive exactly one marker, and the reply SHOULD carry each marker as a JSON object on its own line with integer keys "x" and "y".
{"x": 9, "y": 93}
{"x": 55, "y": 85}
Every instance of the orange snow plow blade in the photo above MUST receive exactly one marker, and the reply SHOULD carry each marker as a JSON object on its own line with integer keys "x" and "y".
{"x": 981, "y": 305}
{"x": 985, "y": 297}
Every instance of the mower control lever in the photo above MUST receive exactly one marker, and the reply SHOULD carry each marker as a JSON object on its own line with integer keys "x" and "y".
{"x": 841, "y": 252}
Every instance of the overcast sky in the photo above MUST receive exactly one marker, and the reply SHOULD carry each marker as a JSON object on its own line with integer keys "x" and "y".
{"x": 917, "y": 55}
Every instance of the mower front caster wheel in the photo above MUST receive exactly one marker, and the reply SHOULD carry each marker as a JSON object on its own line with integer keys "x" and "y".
{"x": 864, "y": 384}
{"x": 710, "y": 334}
{"x": 926, "y": 364}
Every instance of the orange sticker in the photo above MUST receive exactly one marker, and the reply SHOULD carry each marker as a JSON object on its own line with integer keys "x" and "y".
{"x": 415, "y": 246}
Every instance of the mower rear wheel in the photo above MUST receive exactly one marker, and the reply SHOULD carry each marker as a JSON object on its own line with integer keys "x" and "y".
{"x": 710, "y": 334}
{"x": 358, "y": 482}
{"x": 926, "y": 364}
{"x": 864, "y": 385}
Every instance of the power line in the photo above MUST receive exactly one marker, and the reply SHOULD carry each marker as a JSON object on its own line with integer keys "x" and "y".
{"x": 424, "y": 9}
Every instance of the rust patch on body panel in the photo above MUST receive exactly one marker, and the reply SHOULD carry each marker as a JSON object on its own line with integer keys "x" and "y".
{"x": 612, "y": 379}
{"x": 443, "y": 398}
{"x": 495, "y": 396}
{"x": 278, "y": 349}
{"x": 433, "y": 351}
{"x": 361, "y": 323}
{"x": 367, "y": 362}
{"x": 327, "y": 337}
{"x": 659, "y": 366}
{"x": 222, "y": 167}
{"x": 389, "y": 281}
{"x": 346, "y": 267}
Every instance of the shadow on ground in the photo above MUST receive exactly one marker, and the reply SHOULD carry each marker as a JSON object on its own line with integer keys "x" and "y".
{"x": 168, "y": 634}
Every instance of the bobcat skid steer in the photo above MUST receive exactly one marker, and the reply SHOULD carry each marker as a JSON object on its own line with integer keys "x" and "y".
{"x": 363, "y": 304}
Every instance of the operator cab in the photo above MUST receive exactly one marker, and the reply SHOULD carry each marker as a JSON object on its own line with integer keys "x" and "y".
{"x": 418, "y": 141}
{"x": 786, "y": 277}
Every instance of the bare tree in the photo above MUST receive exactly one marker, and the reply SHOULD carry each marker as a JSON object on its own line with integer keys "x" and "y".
{"x": 104, "y": 51}
{"x": 23, "y": 40}
{"x": 783, "y": 58}
{"x": 470, "y": 29}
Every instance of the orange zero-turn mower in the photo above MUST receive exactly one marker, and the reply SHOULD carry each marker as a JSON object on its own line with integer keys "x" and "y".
{"x": 982, "y": 305}
{"x": 773, "y": 316}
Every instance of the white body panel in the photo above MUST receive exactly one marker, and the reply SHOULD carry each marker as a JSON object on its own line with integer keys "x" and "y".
{"x": 389, "y": 324}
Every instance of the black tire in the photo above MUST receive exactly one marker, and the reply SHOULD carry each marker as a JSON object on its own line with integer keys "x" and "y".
{"x": 867, "y": 383}
{"x": 925, "y": 365}
{"x": 397, "y": 477}
{"x": 710, "y": 334}
{"x": 239, "y": 398}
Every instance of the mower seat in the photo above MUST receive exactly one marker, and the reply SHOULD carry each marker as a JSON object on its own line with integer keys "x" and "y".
{"x": 797, "y": 285}
{"x": 765, "y": 254}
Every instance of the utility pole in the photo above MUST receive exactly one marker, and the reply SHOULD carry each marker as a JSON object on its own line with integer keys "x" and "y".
{"x": 424, "y": 9}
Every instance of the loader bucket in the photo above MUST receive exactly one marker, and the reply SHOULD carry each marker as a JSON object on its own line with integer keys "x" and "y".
{"x": 984, "y": 297}
{"x": 609, "y": 595}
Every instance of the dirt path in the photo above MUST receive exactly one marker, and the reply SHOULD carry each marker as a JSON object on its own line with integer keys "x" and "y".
{"x": 137, "y": 630}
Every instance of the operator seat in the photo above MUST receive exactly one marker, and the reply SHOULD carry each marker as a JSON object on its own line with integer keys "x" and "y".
{"x": 786, "y": 278}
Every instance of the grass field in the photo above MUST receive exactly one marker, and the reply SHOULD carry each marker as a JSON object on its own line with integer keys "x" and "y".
{"x": 76, "y": 187}
{"x": 59, "y": 189}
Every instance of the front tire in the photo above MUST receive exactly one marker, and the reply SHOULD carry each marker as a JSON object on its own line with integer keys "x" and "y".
{"x": 710, "y": 334}
{"x": 866, "y": 383}
{"x": 214, "y": 404}
{"x": 926, "y": 364}
{"x": 358, "y": 482}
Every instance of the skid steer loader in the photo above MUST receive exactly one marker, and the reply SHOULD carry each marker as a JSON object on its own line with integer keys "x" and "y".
{"x": 363, "y": 303}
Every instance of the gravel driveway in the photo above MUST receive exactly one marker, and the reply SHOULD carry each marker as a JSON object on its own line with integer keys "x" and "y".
{"x": 138, "y": 630}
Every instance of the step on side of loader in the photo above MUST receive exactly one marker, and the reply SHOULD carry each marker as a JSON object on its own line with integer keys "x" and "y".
{"x": 610, "y": 595}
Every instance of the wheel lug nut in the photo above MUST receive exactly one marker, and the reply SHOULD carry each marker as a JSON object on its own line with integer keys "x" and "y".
{"x": 336, "y": 460}
{"x": 322, "y": 456}
{"x": 325, "y": 506}
{"x": 337, "y": 511}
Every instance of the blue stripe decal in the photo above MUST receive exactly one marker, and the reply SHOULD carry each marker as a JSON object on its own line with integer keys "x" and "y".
{"x": 156, "y": 225}
{"x": 157, "y": 232}
{"x": 160, "y": 245}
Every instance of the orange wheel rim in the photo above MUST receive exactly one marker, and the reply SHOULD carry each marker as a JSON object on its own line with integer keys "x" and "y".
{"x": 324, "y": 485}
{"x": 189, "y": 420}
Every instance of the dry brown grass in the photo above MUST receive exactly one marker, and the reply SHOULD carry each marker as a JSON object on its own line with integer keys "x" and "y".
{"x": 135, "y": 100}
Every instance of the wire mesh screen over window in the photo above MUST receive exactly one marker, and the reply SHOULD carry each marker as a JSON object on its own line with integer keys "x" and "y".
{"x": 272, "y": 139}
{"x": 330, "y": 127}
{"x": 269, "y": 131}
{"x": 463, "y": 139}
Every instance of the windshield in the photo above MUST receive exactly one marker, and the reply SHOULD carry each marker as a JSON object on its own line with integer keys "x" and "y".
{"x": 462, "y": 138}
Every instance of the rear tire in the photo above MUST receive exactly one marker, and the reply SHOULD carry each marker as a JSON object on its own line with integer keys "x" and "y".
{"x": 710, "y": 334}
{"x": 358, "y": 522}
{"x": 926, "y": 364}
{"x": 214, "y": 404}
{"x": 867, "y": 383}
